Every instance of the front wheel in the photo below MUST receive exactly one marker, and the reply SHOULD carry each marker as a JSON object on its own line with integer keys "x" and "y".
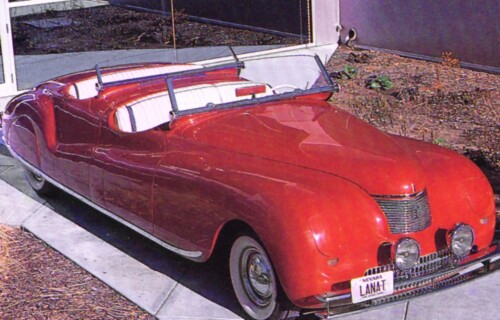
{"x": 253, "y": 279}
{"x": 38, "y": 183}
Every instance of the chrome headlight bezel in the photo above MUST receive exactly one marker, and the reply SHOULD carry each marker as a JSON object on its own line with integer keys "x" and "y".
{"x": 461, "y": 240}
{"x": 406, "y": 253}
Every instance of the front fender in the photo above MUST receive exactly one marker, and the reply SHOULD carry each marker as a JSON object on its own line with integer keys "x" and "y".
{"x": 458, "y": 190}
{"x": 318, "y": 229}
{"x": 323, "y": 234}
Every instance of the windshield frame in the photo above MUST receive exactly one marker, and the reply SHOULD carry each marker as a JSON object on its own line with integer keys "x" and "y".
{"x": 169, "y": 79}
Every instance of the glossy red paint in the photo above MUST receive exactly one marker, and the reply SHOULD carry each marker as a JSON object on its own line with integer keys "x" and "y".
{"x": 301, "y": 173}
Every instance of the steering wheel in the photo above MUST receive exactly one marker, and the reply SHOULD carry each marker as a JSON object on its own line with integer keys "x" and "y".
{"x": 284, "y": 86}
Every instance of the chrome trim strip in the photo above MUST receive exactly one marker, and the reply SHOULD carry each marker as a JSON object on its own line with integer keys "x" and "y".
{"x": 176, "y": 74}
{"x": 187, "y": 254}
{"x": 397, "y": 196}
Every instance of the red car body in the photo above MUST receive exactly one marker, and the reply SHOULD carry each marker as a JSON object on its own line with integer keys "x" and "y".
{"x": 308, "y": 179}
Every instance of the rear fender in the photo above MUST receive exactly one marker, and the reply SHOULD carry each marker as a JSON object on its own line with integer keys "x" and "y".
{"x": 39, "y": 108}
{"x": 22, "y": 134}
{"x": 30, "y": 127}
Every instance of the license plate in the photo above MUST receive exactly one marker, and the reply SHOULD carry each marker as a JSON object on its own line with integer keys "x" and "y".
{"x": 373, "y": 286}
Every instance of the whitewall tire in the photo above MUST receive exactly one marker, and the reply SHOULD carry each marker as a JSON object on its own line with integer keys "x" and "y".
{"x": 38, "y": 183}
{"x": 253, "y": 278}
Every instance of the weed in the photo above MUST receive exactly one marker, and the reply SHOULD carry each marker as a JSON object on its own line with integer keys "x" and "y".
{"x": 407, "y": 94}
{"x": 382, "y": 82}
{"x": 447, "y": 59}
{"x": 440, "y": 141}
{"x": 359, "y": 57}
{"x": 349, "y": 72}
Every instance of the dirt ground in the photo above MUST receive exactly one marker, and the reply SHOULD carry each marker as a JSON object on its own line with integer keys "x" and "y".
{"x": 437, "y": 102}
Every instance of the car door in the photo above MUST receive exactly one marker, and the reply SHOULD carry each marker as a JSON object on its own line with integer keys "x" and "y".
{"x": 189, "y": 205}
{"x": 123, "y": 173}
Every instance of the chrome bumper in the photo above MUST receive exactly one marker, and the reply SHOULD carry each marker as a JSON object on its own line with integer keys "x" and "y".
{"x": 466, "y": 271}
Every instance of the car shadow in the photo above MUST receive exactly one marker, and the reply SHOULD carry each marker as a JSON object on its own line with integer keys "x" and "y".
{"x": 216, "y": 287}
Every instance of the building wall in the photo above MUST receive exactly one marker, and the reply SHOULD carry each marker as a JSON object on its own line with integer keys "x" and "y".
{"x": 469, "y": 29}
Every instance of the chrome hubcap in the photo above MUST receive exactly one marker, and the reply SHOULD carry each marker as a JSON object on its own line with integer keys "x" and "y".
{"x": 257, "y": 277}
{"x": 37, "y": 177}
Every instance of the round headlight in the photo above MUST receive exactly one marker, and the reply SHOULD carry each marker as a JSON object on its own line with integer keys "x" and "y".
{"x": 407, "y": 253}
{"x": 462, "y": 239}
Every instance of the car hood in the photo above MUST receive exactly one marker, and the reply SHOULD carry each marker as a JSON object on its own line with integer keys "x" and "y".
{"x": 314, "y": 135}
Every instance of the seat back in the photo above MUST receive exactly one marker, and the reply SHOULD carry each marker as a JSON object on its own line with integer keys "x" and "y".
{"x": 154, "y": 110}
{"x": 145, "y": 114}
{"x": 87, "y": 88}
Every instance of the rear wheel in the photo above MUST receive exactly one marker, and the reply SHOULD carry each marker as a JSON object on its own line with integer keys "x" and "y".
{"x": 38, "y": 183}
{"x": 253, "y": 278}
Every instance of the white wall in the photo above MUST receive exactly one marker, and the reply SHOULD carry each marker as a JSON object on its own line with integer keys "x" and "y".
{"x": 326, "y": 18}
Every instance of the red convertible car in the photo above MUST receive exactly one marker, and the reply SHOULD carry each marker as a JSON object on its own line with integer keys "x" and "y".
{"x": 322, "y": 212}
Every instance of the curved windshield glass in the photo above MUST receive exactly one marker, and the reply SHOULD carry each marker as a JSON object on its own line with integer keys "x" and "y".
{"x": 259, "y": 80}
{"x": 298, "y": 71}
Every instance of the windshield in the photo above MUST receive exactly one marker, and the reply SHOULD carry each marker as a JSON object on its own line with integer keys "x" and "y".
{"x": 301, "y": 72}
{"x": 259, "y": 80}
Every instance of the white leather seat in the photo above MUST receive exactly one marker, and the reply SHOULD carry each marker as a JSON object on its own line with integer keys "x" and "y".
{"x": 144, "y": 114}
{"x": 88, "y": 88}
{"x": 197, "y": 96}
{"x": 152, "y": 111}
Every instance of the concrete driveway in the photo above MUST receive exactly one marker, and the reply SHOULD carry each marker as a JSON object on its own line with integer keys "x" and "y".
{"x": 171, "y": 287}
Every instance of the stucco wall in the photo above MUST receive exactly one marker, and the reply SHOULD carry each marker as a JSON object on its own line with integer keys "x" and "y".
{"x": 469, "y": 29}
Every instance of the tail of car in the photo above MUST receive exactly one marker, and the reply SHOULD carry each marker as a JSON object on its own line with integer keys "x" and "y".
{"x": 29, "y": 125}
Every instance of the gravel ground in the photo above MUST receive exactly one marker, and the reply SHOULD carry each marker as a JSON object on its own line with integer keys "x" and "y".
{"x": 37, "y": 282}
{"x": 116, "y": 28}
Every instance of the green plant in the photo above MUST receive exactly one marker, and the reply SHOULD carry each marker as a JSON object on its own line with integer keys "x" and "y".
{"x": 379, "y": 82}
{"x": 349, "y": 72}
{"x": 440, "y": 141}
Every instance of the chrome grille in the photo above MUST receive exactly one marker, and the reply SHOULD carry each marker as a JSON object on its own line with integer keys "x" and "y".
{"x": 428, "y": 264}
{"x": 420, "y": 288}
{"x": 405, "y": 214}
